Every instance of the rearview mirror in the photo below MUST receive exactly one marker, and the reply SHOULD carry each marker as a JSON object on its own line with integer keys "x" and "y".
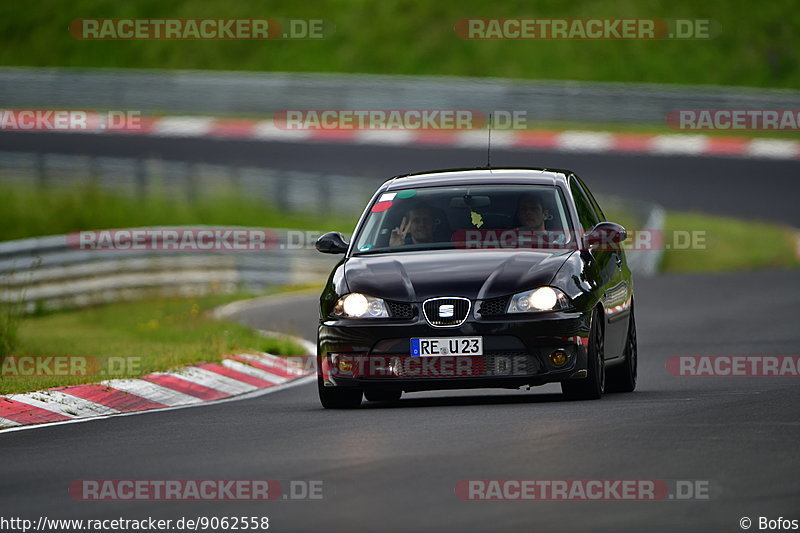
{"x": 332, "y": 243}
{"x": 604, "y": 235}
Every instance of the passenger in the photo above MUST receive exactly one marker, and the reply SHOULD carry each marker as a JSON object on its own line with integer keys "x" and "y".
{"x": 417, "y": 227}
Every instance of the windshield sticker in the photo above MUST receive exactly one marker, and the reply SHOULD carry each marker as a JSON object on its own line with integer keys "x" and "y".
{"x": 477, "y": 219}
{"x": 387, "y": 197}
{"x": 381, "y": 206}
{"x": 408, "y": 193}
{"x": 365, "y": 247}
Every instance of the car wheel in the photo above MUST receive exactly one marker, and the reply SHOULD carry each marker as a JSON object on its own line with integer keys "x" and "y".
{"x": 383, "y": 395}
{"x": 338, "y": 397}
{"x": 591, "y": 387}
{"x": 622, "y": 378}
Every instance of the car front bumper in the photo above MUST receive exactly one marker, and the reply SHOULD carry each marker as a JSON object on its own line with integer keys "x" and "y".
{"x": 375, "y": 354}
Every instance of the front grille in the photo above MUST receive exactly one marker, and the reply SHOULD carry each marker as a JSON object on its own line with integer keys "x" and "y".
{"x": 494, "y": 306}
{"x": 446, "y": 312}
{"x": 401, "y": 310}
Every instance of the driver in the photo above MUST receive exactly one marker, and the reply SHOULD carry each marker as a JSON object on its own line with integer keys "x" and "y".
{"x": 530, "y": 217}
{"x": 531, "y": 214}
{"x": 417, "y": 227}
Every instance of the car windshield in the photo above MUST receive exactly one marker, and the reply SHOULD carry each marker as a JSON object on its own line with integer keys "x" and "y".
{"x": 474, "y": 217}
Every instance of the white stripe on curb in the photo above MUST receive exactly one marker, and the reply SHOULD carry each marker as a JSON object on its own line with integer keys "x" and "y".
{"x": 212, "y": 380}
{"x": 680, "y": 144}
{"x": 151, "y": 391}
{"x": 384, "y": 136}
{"x": 480, "y": 139}
{"x": 183, "y": 126}
{"x": 63, "y": 404}
{"x": 265, "y": 129}
{"x": 585, "y": 141}
{"x": 776, "y": 148}
{"x": 252, "y": 371}
{"x": 269, "y": 359}
{"x": 6, "y": 423}
{"x": 255, "y": 394}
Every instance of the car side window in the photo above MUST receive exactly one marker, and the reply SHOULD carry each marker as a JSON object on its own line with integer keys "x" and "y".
{"x": 586, "y": 213}
{"x": 601, "y": 217}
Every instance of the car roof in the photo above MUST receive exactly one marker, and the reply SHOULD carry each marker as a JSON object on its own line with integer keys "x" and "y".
{"x": 480, "y": 176}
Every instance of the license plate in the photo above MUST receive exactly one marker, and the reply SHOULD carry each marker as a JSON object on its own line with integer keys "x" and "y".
{"x": 426, "y": 347}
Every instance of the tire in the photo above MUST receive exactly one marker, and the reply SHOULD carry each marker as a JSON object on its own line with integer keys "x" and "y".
{"x": 383, "y": 395}
{"x": 591, "y": 387}
{"x": 622, "y": 378}
{"x": 338, "y": 398}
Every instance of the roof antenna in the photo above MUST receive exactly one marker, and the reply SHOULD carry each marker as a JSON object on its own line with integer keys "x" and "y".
{"x": 489, "y": 147}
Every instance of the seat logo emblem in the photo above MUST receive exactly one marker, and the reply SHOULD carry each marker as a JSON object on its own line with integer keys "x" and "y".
{"x": 446, "y": 310}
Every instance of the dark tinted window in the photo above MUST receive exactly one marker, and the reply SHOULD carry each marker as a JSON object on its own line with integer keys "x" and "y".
{"x": 480, "y": 216}
{"x": 600, "y": 215}
{"x": 586, "y": 213}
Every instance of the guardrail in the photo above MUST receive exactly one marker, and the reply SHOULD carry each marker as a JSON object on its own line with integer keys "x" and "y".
{"x": 304, "y": 192}
{"x": 236, "y": 92}
{"x": 49, "y": 274}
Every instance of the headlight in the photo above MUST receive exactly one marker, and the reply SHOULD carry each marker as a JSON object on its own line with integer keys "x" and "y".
{"x": 356, "y": 305}
{"x": 536, "y": 300}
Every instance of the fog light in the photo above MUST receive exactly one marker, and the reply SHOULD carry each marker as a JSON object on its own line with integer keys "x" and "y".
{"x": 345, "y": 365}
{"x": 558, "y": 358}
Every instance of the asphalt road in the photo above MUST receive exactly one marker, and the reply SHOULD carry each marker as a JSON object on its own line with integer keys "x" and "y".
{"x": 393, "y": 467}
{"x": 746, "y": 188}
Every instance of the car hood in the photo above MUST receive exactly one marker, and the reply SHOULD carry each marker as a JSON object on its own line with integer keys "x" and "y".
{"x": 474, "y": 274}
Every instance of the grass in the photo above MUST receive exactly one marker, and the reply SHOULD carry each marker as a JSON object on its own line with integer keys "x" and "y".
{"x": 759, "y": 45}
{"x": 30, "y": 211}
{"x": 730, "y": 244}
{"x": 621, "y": 216}
{"x": 10, "y": 317}
{"x": 130, "y": 339}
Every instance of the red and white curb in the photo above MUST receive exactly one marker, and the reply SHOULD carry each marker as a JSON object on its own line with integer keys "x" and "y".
{"x": 569, "y": 141}
{"x": 236, "y": 376}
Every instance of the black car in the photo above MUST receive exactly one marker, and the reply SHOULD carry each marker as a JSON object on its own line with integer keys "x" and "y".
{"x": 477, "y": 278}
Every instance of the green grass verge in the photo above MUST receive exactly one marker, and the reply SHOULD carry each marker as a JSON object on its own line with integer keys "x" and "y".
{"x": 621, "y": 216}
{"x": 730, "y": 244}
{"x": 34, "y": 211}
{"x": 130, "y": 339}
{"x": 758, "y": 45}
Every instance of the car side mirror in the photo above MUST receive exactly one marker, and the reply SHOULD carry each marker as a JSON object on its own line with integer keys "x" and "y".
{"x": 332, "y": 243}
{"x": 605, "y": 235}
